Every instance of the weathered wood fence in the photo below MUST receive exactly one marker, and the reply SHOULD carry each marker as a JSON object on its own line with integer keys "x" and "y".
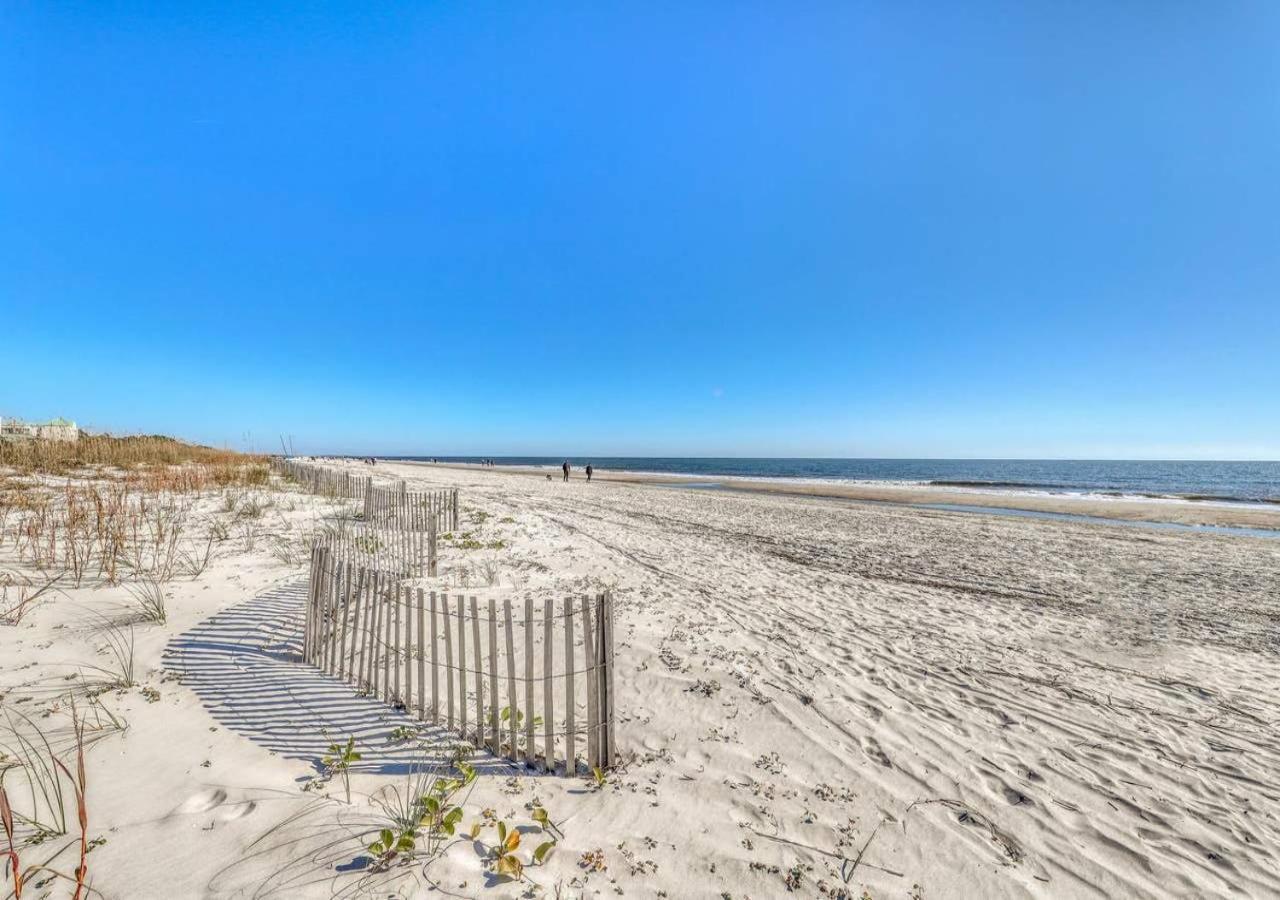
{"x": 416, "y": 510}
{"x": 323, "y": 480}
{"x": 426, "y": 652}
{"x": 395, "y": 505}
{"x": 403, "y": 552}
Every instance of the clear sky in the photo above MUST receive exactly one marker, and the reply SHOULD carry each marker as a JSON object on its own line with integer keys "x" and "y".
{"x": 855, "y": 229}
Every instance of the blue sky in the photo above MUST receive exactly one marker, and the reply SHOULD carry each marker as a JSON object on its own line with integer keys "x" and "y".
{"x": 893, "y": 229}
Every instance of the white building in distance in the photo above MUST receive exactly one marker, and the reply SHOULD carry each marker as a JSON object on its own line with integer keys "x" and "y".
{"x": 54, "y": 430}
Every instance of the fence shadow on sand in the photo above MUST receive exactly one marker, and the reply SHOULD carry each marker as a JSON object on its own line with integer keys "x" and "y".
{"x": 245, "y": 664}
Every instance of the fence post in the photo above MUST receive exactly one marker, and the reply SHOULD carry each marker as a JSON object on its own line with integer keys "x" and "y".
{"x": 422, "y": 660}
{"x": 362, "y": 667}
{"x": 530, "y": 752}
{"x": 448, "y": 657}
{"x": 570, "y": 748}
{"x": 435, "y": 677}
{"x": 513, "y": 700}
{"x": 606, "y": 605}
{"x": 593, "y": 707}
{"x": 373, "y": 634}
{"x": 388, "y": 643}
{"x": 308, "y": 621}
{"x": 475, "y": 639}
{"x": 336, "y": 598}
{"x": 548, "y": 715}
{"x": 431, "y": 548}
{"x": 494, "y": 725}
{"x": 462, "y": 661}
{"x": 404, "y": 599}
{"x": 344, "y": 670}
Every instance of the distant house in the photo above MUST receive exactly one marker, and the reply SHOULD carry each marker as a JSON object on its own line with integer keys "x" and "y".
{"x": 54, "y": 430}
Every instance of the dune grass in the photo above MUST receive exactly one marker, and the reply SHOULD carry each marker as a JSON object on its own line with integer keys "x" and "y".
{"x": 57, "y": 457}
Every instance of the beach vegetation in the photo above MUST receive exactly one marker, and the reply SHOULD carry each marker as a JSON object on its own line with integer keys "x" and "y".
{"x": 196, "y": 559}
{"x": 421, "y": 817}
{"x": 60, "y": 457}
{"x": 502, "y": 856}
{"x": 148, "y": 599}
{"x": 28, "y": 759}
{"x": 19, "y": 595}
{"x": 338, "y": 761}
{"x": 402, "y": 733}
{"x": 118, "y": 671}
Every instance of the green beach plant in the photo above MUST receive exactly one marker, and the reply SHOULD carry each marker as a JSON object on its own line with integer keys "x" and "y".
{"x": 148, "y": 599}
{"x": 338, "y": 761}
{"x": 420, "y": 818}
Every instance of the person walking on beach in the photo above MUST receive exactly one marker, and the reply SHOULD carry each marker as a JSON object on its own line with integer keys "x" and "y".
{"x": 588, "y": 471}
{"x": 564, "y": 467}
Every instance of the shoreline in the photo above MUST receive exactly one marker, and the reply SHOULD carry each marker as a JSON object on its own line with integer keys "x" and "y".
{"x": 1161, "y": 511}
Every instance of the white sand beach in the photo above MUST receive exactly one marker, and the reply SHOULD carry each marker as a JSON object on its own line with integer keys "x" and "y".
{"x": 815, "y": 698}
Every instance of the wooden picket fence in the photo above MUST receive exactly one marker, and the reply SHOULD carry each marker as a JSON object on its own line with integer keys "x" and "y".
{"x": 397, "y": 505}
{"x": 404, "y": 552}
{"x": 409, "y": 647}
{"x": 323, "y": 480}
{"x": 415, "y": 510}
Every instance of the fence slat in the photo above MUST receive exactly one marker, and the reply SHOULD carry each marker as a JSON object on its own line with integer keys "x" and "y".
{"x": 355, "y": 626}
{"x": 435, "y": 675}
{"x": 606, "y": 673}
{"x": 475, "y": 635}
{"x": 335, "y": 599}
{"x": 530, "y": 751}
{"x": 373, "y": 635}
{"x": 317, "y": 637}
{"x": 362, "y": 668}
{"x": 397, "y": 595}
{"x": 448, "y": 657}
{"x": 548, "y": 715}
{"x": 422, "y": 660}
{"x": 388, "y": 640}
{"x": 309, "y": 619}
{"x": 513, "y": 700}
{"x": 613, "y": 744}
{"x": 570, "y": 739}
{"x": 462, "y": 660}
{"x": 593, "y": 709}
{"x": 332, "y": 577}
{"x": 494, "y": 723}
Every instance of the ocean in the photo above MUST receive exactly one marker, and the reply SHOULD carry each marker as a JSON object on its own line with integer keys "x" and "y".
{"x": 1241, "y": 482}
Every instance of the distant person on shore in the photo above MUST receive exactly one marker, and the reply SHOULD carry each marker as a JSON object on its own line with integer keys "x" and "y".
{"x": 564, "y": 467}
{"x": 588, "y": 471}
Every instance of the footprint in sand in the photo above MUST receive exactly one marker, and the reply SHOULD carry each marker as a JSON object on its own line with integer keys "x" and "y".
{"x": 1015, "y": 797}
{"x": 202, "y": 802}
{"x": 237, "y": 811}
{"x": 872, "y": 748}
